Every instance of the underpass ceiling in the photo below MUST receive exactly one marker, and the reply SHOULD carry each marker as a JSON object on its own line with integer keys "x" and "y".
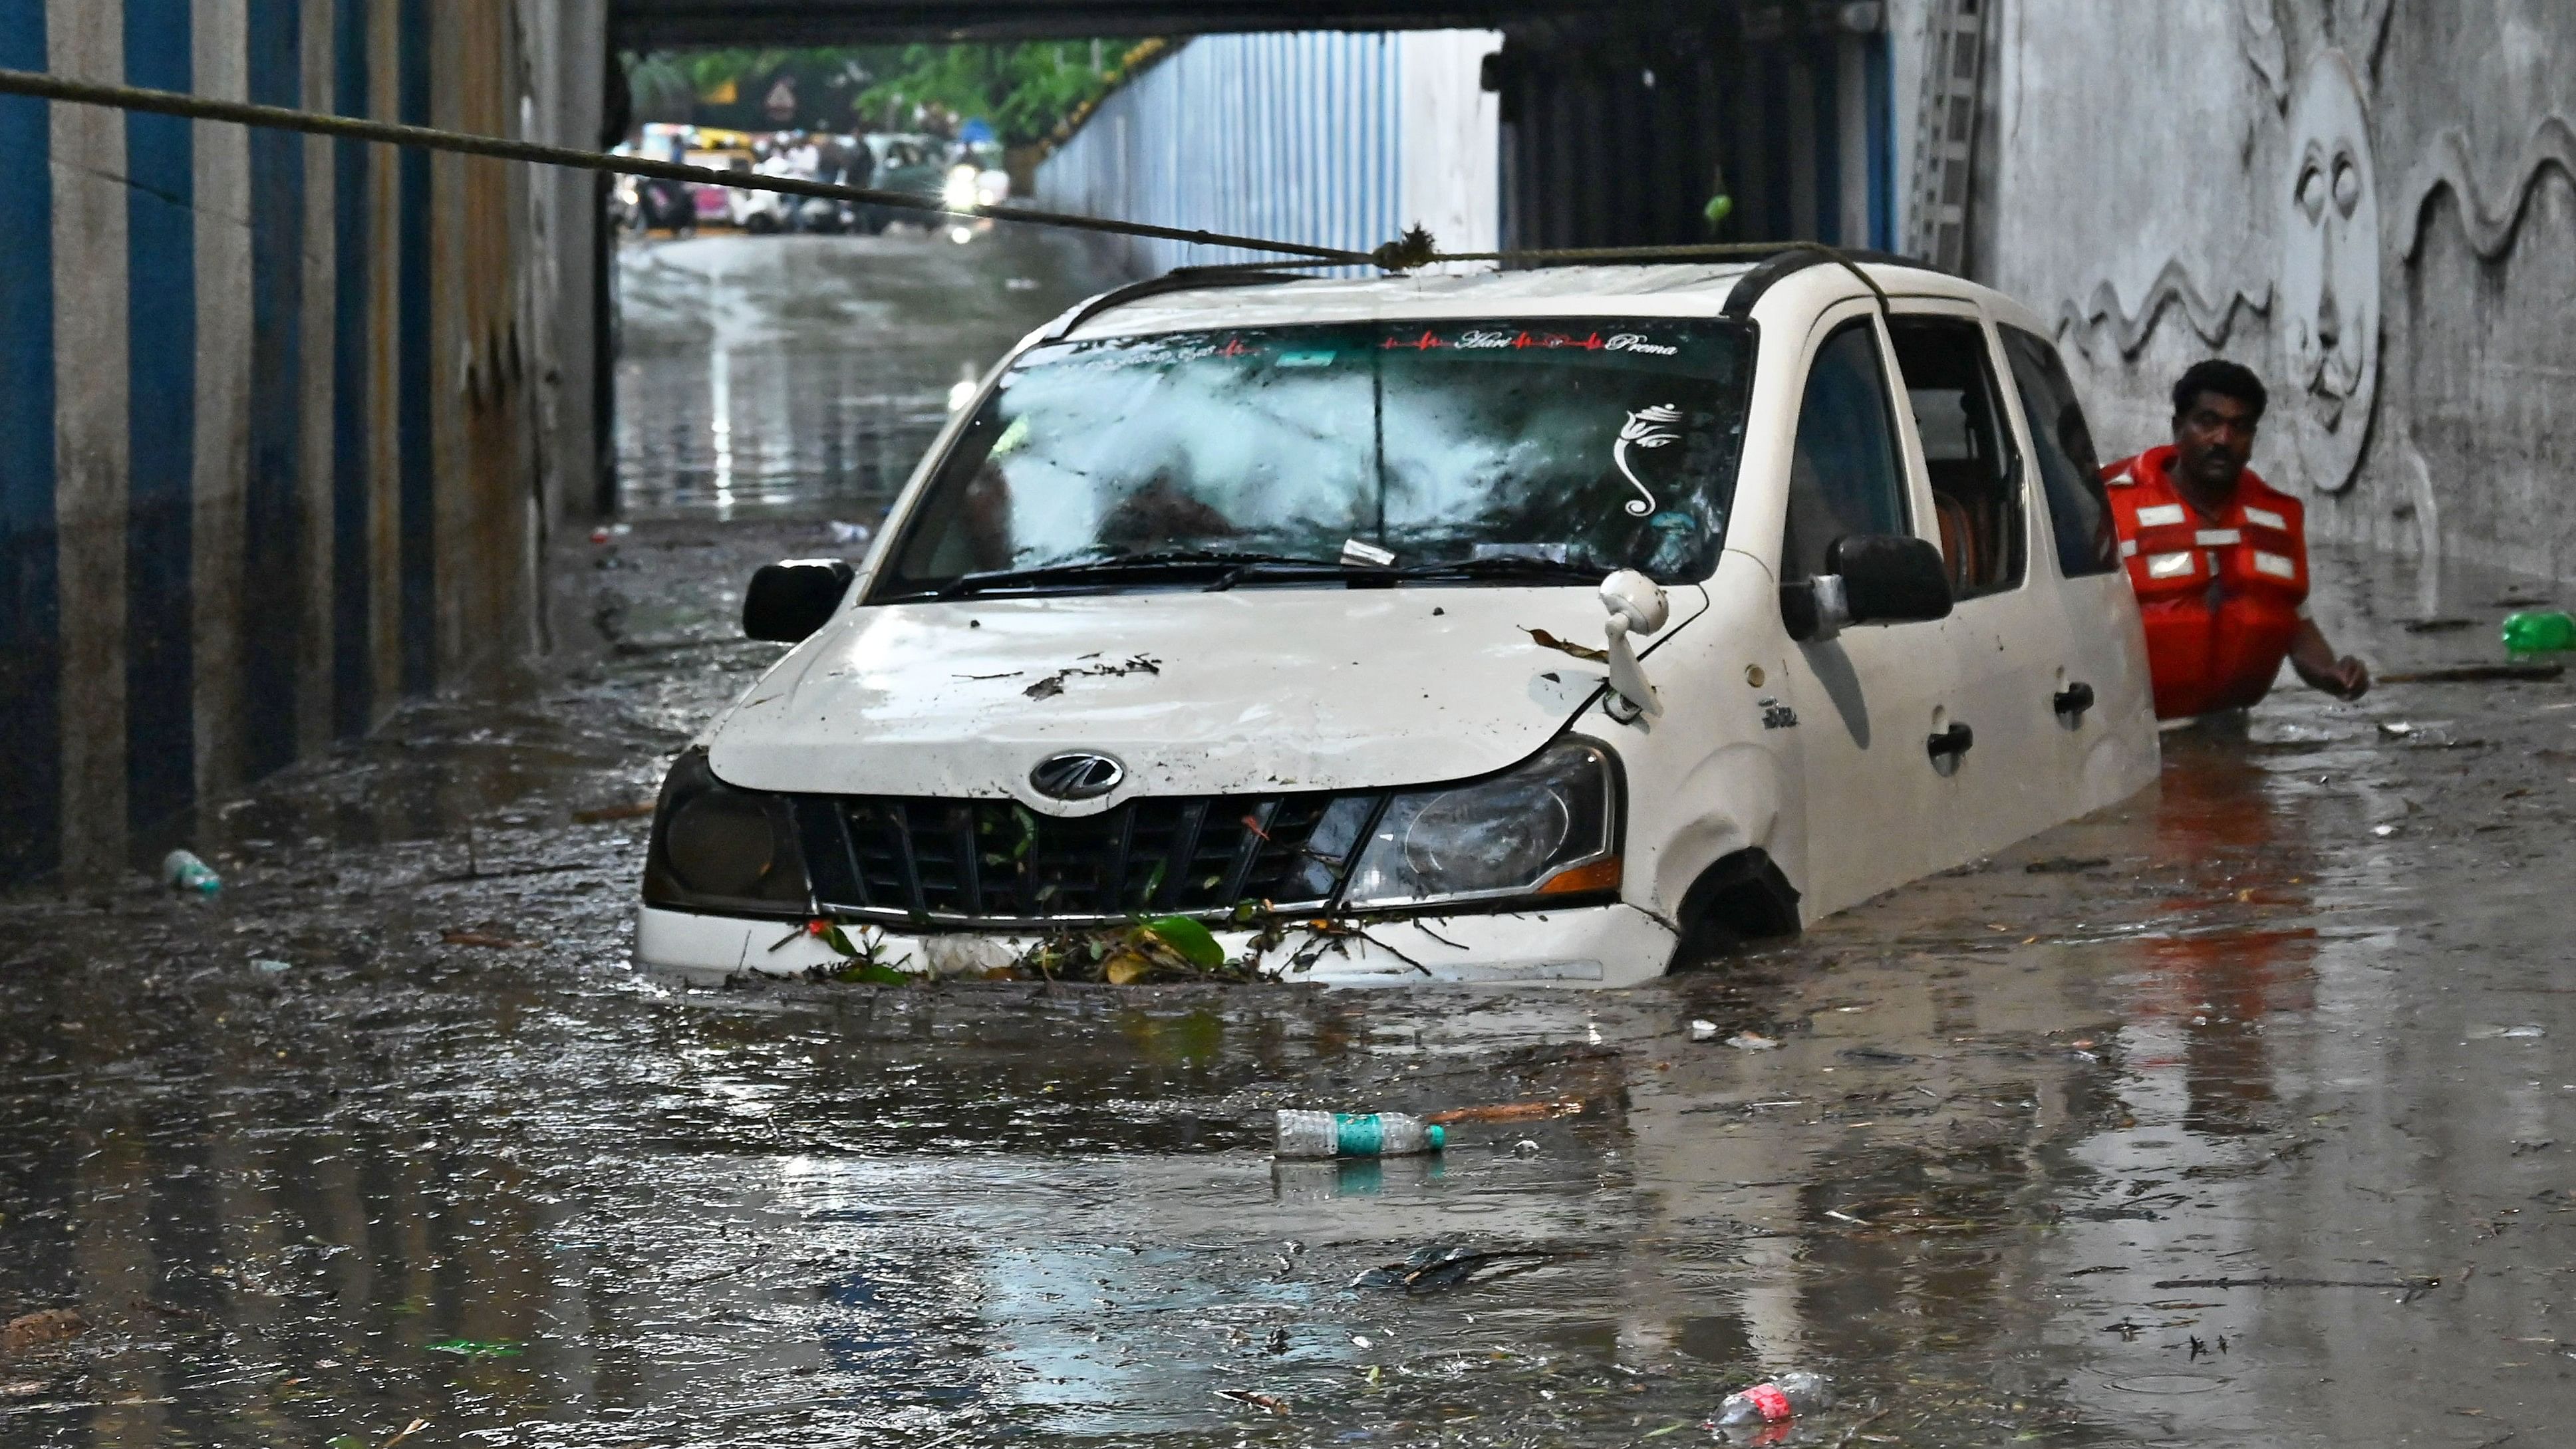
{"x": 655, "y": 24}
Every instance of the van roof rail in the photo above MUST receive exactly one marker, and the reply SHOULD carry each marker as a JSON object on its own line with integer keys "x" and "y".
{"x": 1774, "y": 261}
{"x": 1178, "y": 279}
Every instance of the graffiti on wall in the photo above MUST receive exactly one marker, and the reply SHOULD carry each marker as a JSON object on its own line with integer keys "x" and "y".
{"x": 2324, "y": 297}
{"x": 2329, "y": 278}
{"x": 2447, "y": 165}
{"x": 2214, "y": 320}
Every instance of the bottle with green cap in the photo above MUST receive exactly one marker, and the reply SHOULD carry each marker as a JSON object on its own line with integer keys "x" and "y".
{"x": 1356, "y": 1134}
{"x": 2538, "y": 633}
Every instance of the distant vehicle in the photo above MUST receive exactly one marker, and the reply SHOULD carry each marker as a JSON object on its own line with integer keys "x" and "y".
{"x": 976, "y": 177}
{"x": 625, "y": 200}
{"x": 715, "y": 203}
{"x": 904, "y": 163}
{"x": 1549, "y": 626}
{"x": 762, "y": 212}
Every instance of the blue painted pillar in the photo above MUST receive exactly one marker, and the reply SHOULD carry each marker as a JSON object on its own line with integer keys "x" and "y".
{"x": 273, "y": 532}
{"x": 353, "y": 675}
{"x": 30, "y": 612}
{"x": 414, "y": 375}
{"x": 161, "y": 325}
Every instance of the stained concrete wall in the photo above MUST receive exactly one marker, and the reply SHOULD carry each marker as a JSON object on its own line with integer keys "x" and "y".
{"x": 2408, "y": 309}
{"x": 283, "y": 420}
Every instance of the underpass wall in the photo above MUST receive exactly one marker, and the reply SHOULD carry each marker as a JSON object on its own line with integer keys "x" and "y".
{"x": 1326, "y": 138}
{"x": 283, "y": 419}
{"x": 2410, "y": 321}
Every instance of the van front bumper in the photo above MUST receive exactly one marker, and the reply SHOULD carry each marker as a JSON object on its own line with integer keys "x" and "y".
{"x": 1610, "y": 945}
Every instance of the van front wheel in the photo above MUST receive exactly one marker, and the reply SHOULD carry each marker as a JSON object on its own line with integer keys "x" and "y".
{"x": 1741, "y": 899}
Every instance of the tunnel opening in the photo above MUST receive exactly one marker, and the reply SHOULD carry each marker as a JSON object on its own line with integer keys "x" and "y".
{"x": 752, "y": 378}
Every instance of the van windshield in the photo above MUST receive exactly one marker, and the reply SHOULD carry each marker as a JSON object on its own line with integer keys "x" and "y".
{"x": 1467, "y": 449}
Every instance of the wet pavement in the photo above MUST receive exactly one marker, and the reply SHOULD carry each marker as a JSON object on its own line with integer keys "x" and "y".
{"x": 2239, "y": 1115}
{"x": 781, "y": 375}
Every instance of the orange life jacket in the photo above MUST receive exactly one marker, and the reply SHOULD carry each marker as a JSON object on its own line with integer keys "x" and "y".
{"x": 2221, "y": 597}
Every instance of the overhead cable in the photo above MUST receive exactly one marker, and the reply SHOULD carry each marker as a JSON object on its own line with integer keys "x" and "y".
{"x": 1414, "y": 250}
{"x": 356, "y": 128}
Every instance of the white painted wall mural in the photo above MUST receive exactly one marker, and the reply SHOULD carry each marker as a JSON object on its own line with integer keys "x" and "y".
{"x": 2370, "y": 202}
{"x": 2329, "y": 286}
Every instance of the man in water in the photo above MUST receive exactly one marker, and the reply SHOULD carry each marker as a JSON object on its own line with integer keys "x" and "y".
{"x": 2219, "y": 560}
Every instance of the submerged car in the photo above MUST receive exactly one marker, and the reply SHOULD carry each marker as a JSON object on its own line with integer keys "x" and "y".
{"x": 1547, "y": 625}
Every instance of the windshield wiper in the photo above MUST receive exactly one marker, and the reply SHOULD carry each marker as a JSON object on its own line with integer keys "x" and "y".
{"x": 1173, "y": 564}
{"x": 1512, "y": 567}
{"x": 1232, "y": 567}
{"x": 1509, "y": 566}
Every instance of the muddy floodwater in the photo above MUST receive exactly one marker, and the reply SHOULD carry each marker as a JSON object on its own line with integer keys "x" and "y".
{"x": 2243, "y": 1114}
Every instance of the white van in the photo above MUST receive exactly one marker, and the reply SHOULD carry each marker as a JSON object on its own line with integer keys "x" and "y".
{"x": 1545, "y": 625}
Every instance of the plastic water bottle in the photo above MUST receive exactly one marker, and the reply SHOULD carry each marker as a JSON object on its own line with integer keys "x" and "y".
{"x": 1356, "y": 1134}
{"x": 2538, "y": 633}
{"x": 1776, "y": 1402}
{"x": 182, "y": 871}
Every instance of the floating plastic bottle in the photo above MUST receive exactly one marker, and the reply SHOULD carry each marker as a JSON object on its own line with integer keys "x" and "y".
{"x": 1356, "y": 1134}
{"x": 1776, "y": 1402}
{"x": 2538, "y": 633}
{"x": 182, "y": 871}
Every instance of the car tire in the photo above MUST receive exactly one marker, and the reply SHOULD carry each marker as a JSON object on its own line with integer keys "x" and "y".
{"x": 760, "y": 223}
{"x": 1741, "y": 899}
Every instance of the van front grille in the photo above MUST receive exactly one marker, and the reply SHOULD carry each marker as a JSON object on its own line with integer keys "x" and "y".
{"x": 999, "y": 863}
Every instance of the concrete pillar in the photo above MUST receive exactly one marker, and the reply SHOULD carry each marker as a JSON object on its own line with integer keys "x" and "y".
{"x": 223, "y": 397}
{"x": 92, "y": 457}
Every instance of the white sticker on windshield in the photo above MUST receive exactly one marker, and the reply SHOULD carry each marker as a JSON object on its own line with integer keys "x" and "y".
{"x": 1652, "y": 427}
{"x": 1365, "y": 555}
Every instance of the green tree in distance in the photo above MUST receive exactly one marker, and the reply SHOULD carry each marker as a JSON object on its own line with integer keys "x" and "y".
{"x": 1025, "y": 91}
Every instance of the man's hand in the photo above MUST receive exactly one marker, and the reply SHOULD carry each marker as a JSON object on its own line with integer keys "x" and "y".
{"x": 2345, "y": 678}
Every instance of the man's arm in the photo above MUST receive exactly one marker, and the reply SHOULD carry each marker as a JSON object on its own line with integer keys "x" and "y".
{"x": 2314, "y": 658}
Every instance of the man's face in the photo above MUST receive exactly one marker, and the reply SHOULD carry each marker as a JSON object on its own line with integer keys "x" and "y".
{"x": 2213, "y": 438}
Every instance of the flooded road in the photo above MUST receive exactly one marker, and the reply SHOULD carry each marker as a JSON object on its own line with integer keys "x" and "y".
{"x": 2239, "y": 1115}
{"x": 797, "y": 375}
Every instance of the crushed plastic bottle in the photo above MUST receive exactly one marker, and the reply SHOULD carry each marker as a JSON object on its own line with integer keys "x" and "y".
{"x": 182, "y": 871}
{"x": 1776, "y": 1402}
{"x": 2538, "y": 633}
{"x": 1355, "y": 1134}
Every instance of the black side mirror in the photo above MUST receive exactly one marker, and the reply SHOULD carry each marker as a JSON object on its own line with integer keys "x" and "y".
{"x": 1890, "y": 578}
{"x": 788, "y": 601}
{"x": 1870, "y": 578}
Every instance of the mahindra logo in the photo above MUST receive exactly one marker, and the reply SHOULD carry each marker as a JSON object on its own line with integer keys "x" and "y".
{"x": 1077, "y": 776}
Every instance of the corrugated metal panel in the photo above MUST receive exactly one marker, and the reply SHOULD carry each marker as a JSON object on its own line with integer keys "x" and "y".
{"x": 1298, "y": 136}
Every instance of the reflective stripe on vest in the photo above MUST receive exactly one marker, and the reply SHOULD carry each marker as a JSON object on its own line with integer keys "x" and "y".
{"x": 2214, "y": 537}
{"x": 2274, "y": 564}
{"x": 2159, "y": 515}
{"x": 2267, "y": 518}
{"x": 2169, "y": 565}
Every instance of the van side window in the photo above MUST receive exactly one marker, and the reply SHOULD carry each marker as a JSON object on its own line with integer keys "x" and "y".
{"x": 1967, "y": 448}
{"x": 1845, "y": 476}
{"x": 2079, "y": 511}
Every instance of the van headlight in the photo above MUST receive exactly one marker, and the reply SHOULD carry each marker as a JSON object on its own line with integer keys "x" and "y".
{"x": 719, "y": 848}
{"x": 1548, "y": 828}
{"x": 959, "y": 193}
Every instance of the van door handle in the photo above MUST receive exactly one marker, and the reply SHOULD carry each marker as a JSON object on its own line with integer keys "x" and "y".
{"x": 2072, "y": 701}
{"x": 1951, "y": 744}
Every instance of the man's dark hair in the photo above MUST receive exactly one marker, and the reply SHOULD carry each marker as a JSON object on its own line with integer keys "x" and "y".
{"x": 2225, "y": 378}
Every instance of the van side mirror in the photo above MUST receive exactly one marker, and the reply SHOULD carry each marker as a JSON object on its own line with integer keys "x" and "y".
{"x": 1872, "y": 578}
{"x": 789, "y": 601}
{"x": 1891, "y": 578}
